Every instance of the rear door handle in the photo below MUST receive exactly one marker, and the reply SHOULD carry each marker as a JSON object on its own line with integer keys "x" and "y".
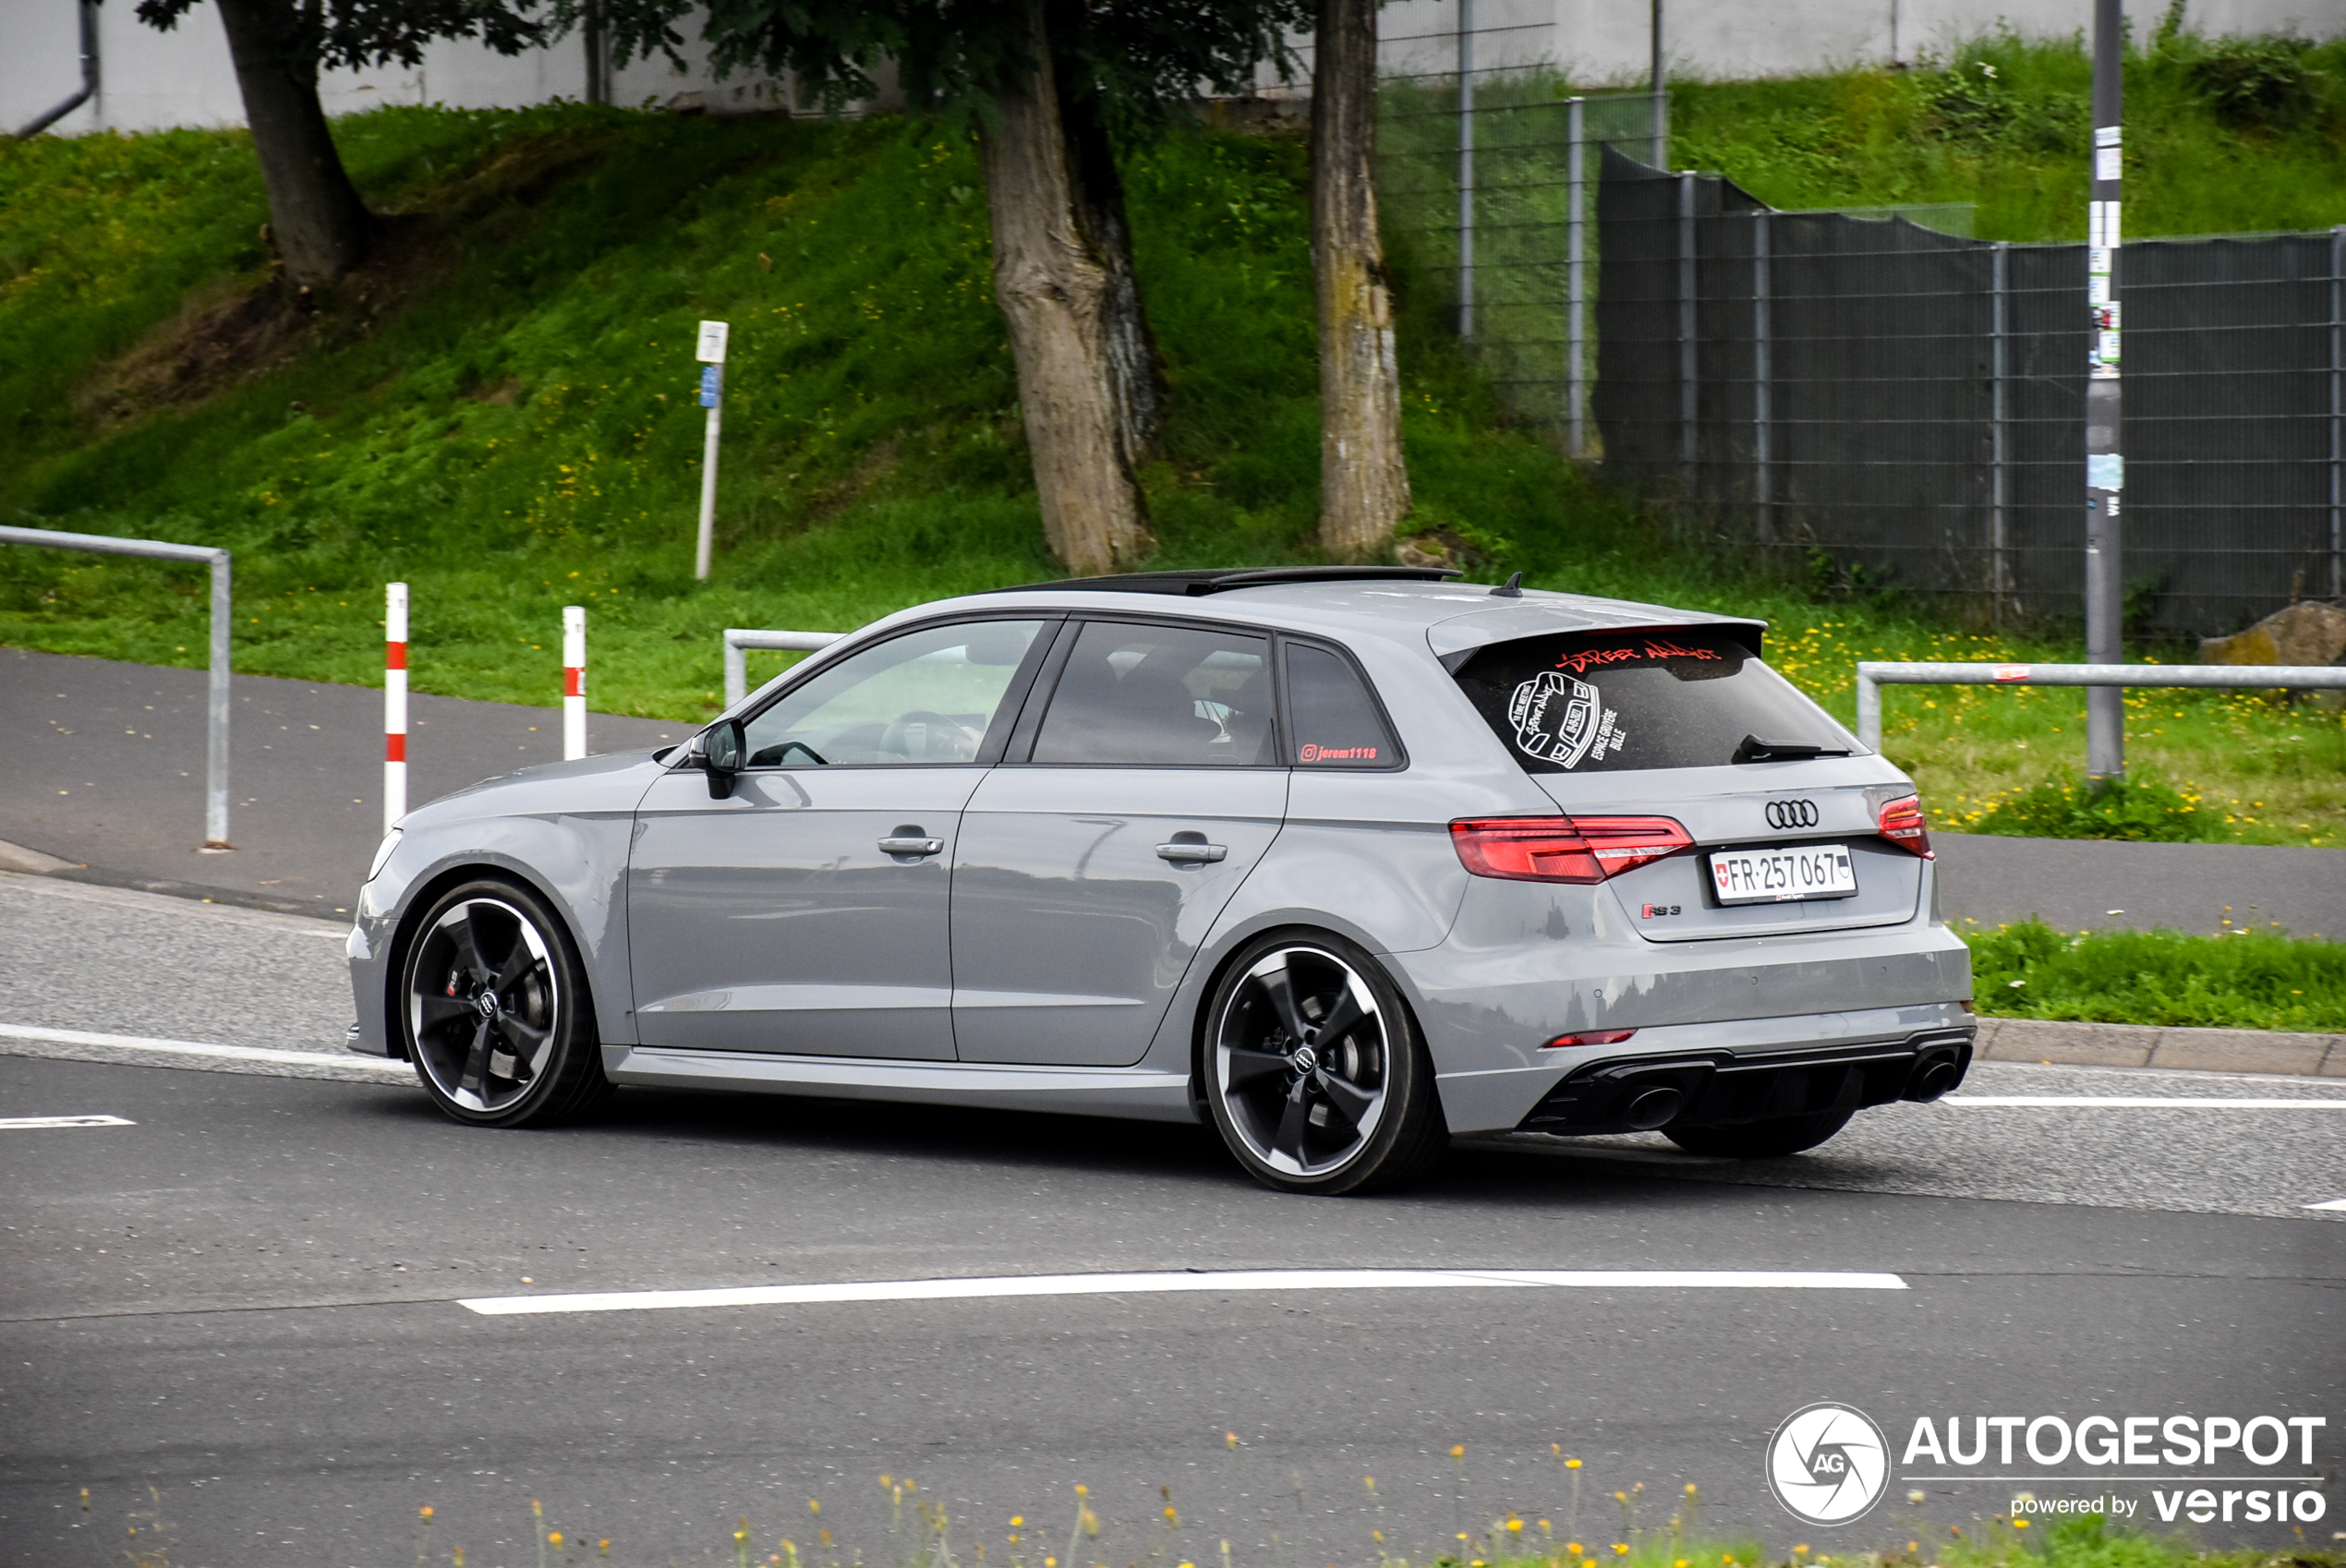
{"x": 907, "y": 845}
{"x": 1190, "y": 853}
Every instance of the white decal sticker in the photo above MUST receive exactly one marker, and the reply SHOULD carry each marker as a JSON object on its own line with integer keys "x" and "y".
{"x": 1554, "y": 716}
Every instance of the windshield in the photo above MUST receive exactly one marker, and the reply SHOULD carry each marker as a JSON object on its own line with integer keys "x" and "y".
{"x": 1618, "y": 701}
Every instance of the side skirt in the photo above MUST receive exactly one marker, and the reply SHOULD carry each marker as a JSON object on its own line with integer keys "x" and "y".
{"x": 1135, "y": 1093}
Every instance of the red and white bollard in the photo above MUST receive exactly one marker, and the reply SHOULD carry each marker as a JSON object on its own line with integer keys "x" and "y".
{"x": 573, "y": 681}
{"x": 394, "y": 703}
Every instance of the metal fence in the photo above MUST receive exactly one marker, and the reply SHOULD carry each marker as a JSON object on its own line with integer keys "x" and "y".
{"x": 1485, "y": 190}
{"x": 1910, "y": 403}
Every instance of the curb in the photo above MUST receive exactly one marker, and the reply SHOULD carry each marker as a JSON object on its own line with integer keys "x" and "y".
{"x": 2182, "y": 1049}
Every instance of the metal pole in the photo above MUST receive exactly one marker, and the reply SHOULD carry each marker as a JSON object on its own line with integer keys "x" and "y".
{"x": 1465, "y": 169}
{"x": 394, "y": 704}
{"x": 1688, "y": 405}
{"x": 706, "y": 543}
{"x": 1763, "y": 370}
{"x": 573, "y": 681}
{"x": 1576, "y": 325}
{"x": 2338, "y": 412}
{"x": 1999, "y": 477}
{"x": 1661, "y": 105}
{"x": 215, "y": 798}
{"x": 714, "y": 339}
{"x": 2105, "y": 446}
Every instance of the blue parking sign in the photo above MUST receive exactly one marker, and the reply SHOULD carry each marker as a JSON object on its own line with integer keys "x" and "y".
{"x": 708, "y": 374}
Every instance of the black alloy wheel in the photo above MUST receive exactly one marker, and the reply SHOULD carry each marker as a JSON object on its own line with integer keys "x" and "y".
{"x": 1313, "y": 1072}
{"x": 495, "y": 1010}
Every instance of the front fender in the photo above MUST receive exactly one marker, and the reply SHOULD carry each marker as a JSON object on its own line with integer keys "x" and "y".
{"x": 571, "y": 852}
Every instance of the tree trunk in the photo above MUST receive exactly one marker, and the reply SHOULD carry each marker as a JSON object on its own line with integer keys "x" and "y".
{"x": 1134, "y": 361}
{"x": 1364, "y": 485}
{"x": 1054, "y": 290}
{"x": 315, "y": 216}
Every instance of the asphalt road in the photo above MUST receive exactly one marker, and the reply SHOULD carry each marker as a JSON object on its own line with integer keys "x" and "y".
{"x": 105, "y": 766}
{"x": 247, "y": 1300}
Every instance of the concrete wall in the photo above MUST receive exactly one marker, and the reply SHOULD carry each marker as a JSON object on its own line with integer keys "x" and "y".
{"x": 182, "y": 78}
{"x": 153, "y": 79}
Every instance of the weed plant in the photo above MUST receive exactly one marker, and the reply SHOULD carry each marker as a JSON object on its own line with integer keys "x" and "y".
{"x": 919, "y": 1533}
{"x": 2244, "y": 978}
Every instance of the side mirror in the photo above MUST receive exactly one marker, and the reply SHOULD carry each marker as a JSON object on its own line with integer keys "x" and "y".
{"x": 718, "y": 752}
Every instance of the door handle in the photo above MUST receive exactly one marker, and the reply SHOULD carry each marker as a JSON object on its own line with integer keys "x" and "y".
{"x": 1199, "y": 853}
{"x": 905, "y": 844}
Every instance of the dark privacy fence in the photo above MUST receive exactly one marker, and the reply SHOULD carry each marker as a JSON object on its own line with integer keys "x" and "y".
{"x": 1910, "y": 402}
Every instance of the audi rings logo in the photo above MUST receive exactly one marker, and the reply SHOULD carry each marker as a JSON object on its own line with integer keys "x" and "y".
{"x": 1792, "y": 813}
{"x": 1828, "y": 1463}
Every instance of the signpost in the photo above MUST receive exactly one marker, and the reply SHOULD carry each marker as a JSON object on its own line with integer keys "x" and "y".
{"x": 2105, "y": 448}
{"x": 712, "y": 397}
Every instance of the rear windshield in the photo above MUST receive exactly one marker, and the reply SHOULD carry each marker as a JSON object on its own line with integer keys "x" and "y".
{"x": 1613, "y": 702}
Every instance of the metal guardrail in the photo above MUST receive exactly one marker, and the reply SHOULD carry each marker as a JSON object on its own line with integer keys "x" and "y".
{"x": 1873, "y": 675}
{"x": 215, "y": 814}
{"x": 737, "y": 641}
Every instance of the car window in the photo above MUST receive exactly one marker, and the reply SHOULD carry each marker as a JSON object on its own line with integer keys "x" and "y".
{"x": 1612, "y": 702}
{"x": 1335, "y": 721}
{"x": 927, "y": 696}
{"x": 1163, "y": 695}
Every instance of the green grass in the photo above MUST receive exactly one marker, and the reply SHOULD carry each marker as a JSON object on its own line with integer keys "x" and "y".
{"x": 516, "y": 429}
{"x": 2252, "y": 980}
{"x": 2222, "y": 136}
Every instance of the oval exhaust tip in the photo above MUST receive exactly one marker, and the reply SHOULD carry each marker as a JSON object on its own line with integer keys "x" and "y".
{"x": 1934, "y": 1080}
{"x": 1650, "y": 1108}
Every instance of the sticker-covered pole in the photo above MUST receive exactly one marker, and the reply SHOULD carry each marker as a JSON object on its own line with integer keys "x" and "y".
{"x": 2105, "y": 448}
{"x": 712, "y": 397}
{"x": 573, "y": 681}
{"x": 394, "y": 703}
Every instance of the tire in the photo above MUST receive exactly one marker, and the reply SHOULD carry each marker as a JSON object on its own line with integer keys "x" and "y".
{"x": 1313, "y": 1072}
{"x": 494, "y": 1010}
{"x": 1760, "y": 1140}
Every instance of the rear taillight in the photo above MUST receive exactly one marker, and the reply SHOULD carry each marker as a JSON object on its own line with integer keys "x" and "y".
{"x": 1903, "y": 824}
{"x": 1564, "y": 849}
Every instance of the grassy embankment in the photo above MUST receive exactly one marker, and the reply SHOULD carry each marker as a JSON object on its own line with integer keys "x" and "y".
{"x": 502, "y": 414}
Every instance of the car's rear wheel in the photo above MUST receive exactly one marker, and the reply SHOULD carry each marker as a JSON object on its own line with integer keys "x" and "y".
{"x": 495, "y": 1012}
{"x": 1760, "y": 1140}
{"x": 1313, "y": 1070}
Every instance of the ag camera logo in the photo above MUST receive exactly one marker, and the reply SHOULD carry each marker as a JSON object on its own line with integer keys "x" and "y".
{"x": 1828, "y": 1463}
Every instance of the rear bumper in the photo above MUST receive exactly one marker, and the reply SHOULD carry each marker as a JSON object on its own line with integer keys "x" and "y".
{"x": 1645, "y": 1092}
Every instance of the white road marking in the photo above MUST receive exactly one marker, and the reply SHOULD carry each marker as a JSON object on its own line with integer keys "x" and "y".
{"x": 2337, "y": 1203}
{"x": 195, "y": 1048}
{"x": 9, "y": 1123}
{"x": 2145, "y": 1101}
{"x": 1165, "y": 1284}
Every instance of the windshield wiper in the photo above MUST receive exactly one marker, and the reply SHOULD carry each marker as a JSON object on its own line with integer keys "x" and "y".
{"x": 1754, "y": 749}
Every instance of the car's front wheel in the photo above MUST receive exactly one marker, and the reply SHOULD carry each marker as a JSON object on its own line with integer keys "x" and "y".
{"x": 494, "y": 1010}
{"x": 1313, "y": 1070}
{"x": 1760, "y": 1140}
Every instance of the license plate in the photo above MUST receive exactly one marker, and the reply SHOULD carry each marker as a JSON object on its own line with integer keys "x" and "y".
{"x": 1776, "y": 876}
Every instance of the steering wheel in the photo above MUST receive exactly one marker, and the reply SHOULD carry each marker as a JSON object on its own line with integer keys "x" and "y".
{"x": 895, "y": 738}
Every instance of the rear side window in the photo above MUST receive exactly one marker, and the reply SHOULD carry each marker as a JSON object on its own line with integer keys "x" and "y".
{"x": 1616, "y": 702}
{"x": 1173, "y": 696}
{"x": 1335, "y": 721}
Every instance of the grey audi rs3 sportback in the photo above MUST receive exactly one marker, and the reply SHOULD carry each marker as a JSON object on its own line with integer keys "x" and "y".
{"x": 1343, "y": 861}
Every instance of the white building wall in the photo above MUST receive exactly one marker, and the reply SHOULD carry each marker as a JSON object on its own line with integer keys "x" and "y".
{"x": 153, "y": 79}
{"x": 150, "y": 80}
